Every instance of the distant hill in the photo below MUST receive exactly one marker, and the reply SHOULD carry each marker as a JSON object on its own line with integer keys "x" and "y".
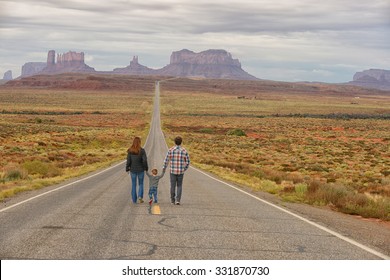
{"x": 215, "y": 64}
{"x": 245, "y": 89}
{"x": 134, "y": 69}
{"x": 7, "y": 75}
{"x": 32, "y": 68}
{"x": 66, "y": 63}
{"x": 372, "y": 78}
{"x": 84, "y": 81}
{"x": 70, "y": 62}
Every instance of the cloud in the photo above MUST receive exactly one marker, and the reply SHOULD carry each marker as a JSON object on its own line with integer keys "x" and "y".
{"x": 292, "y": 32}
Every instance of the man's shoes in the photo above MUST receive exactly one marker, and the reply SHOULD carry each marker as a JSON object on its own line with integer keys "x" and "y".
{"x": 177, "y": 202}
{"x": 172, "y": 202}
{"x": 141, "y": 200}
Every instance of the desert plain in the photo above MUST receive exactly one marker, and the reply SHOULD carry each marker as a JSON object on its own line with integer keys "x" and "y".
{"x": 323, "y": 145}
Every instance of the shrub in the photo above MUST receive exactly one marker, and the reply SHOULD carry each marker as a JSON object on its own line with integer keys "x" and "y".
{"x": 358, "y": 199}
{"x": 258, "y": 173}
{"x": 15, "y": 173}
{"x": 301, "y": 189}
{"x": 236, "y": 132}
{"x": 288, "y": 186}
{"x": 379, "y": 208}
{"x": 295, "y": 177}
{"x": 207, "y": 130}
{"x": 385, "y": 172}
{"x": 270, "y": 187}
{"x": 314, "y": 185}
{"x": 36, "y": 167}
{"x": 317, "y": 167}
{"x": 332, "y": 194}
{"x": 42, "y": 169}
{"x": 274, "y": 175}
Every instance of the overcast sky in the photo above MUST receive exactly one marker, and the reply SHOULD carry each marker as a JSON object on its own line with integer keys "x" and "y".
{"x": 285, "y": 40}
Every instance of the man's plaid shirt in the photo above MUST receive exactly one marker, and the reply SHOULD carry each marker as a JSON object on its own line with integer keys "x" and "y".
{"x": 179, "y": 160}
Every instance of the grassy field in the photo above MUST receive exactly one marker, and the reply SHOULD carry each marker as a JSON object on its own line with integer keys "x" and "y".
{"x": 48, "y": 135}
{"x": 323, "y": 149}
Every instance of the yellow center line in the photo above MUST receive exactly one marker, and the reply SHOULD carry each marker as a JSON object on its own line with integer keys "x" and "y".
{"x": 156, "y": 209}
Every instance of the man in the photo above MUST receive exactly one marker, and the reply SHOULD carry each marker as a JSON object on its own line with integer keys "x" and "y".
{"x": 179, "y": 161}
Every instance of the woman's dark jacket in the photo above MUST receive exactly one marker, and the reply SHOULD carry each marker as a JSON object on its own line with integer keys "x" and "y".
{"x": 137, "y": 162}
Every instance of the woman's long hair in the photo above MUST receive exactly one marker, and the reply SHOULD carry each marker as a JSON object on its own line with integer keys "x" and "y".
{"x": 136, "y": 147}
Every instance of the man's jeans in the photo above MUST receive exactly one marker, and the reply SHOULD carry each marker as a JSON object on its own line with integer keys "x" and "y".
{"x": 134, "y": 176}
{"x": 176, "y": 182}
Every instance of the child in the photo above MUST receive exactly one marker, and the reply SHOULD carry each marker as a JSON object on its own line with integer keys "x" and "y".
{"x": 153, "y": 184}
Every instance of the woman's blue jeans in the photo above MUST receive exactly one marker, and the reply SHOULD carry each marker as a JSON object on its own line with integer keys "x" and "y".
{"x": 134, "y": 176}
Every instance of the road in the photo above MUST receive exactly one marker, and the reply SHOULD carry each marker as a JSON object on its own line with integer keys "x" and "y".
{"x": 93, "y": 218}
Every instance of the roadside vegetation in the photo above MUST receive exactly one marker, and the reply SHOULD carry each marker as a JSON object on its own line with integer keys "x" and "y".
{"x": 328, "y": 150}
{"x": 49, "y": 135}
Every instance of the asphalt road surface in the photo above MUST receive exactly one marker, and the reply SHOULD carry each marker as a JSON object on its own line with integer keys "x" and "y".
{"x": 93, "y": 218}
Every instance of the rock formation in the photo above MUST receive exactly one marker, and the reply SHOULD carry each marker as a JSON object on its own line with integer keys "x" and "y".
{"x": 134, "y": 69}
{"x": 32, "y": 68}
{"x": 218, "y": 57}
{"x": 51, "y": 58}
{"x": 216, "y": 64}
{"x": 70, "y": 58}
{"x": 372, "y": 78}
{"x": 7, "y": 75}
{"x": 67, "y": 62}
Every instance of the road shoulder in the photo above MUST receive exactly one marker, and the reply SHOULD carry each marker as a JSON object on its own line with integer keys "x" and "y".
{"x": 373, "y": 233}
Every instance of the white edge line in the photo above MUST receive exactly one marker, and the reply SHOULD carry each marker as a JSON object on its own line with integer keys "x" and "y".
{"x": 59, "y": 188}
{"x": 338, "y": 235}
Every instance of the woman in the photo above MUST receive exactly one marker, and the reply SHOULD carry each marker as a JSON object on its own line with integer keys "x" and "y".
{"x": 137, "y": 164}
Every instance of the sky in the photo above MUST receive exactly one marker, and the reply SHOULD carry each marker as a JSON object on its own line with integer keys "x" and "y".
{"x": 285, "y": 40}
